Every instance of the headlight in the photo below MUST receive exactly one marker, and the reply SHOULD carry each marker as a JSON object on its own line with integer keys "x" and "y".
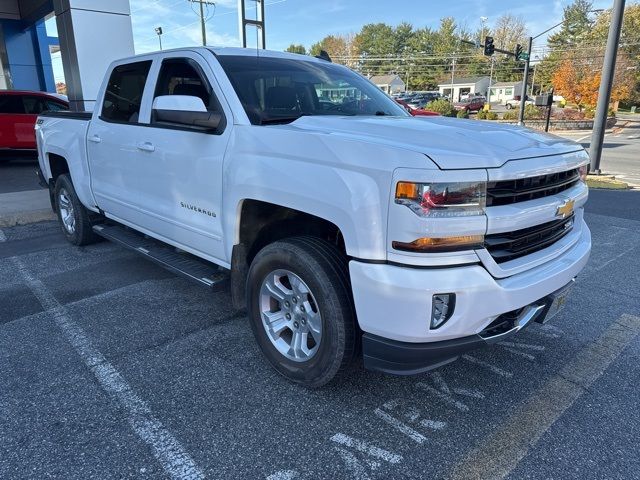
{"x": 583, "y": 170}
{"x": 443, "y": 199}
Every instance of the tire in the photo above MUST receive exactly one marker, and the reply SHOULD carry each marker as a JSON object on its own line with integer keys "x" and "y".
{"x": 323, "y": 270}
{"x": 74, "y": 218}
{"x": 509, "y": 106}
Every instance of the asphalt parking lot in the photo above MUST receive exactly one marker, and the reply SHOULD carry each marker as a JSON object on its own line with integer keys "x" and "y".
{"x": 111, "y": 367}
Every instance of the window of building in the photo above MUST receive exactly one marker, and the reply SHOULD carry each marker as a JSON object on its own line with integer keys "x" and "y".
{"x": 508, "y": 91}
{"x": 123, "y": 95}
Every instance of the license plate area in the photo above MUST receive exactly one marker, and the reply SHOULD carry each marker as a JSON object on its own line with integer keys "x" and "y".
{"x": 555, "y": 302}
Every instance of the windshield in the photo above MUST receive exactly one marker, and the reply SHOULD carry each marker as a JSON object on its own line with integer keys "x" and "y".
{"x": 281, "y": 90}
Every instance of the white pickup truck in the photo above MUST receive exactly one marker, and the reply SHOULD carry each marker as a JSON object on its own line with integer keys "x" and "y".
{"x": 343, "y": 224}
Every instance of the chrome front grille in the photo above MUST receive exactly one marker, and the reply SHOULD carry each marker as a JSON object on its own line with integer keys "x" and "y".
{"x": 518, "y": 243}
{"x": 506, "y": 192}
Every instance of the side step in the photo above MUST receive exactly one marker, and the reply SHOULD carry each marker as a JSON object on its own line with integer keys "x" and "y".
{"x": 167, "y": 256}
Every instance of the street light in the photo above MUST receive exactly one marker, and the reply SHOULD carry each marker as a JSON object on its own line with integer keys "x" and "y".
{"x": 159, "y": 32}
{"x": 526, "y": 66}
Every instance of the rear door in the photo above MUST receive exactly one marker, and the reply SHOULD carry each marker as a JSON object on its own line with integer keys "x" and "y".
{"x": 14, "y": 122}
{"x": 112, "y": 141}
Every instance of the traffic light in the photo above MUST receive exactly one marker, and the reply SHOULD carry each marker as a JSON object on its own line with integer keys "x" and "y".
{"x": 518, "y": 52}
{"x": 489, "y": 48}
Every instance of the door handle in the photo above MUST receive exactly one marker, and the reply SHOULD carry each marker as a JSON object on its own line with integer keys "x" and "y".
{"x": 146, "y": 147}
{"x": 94, "y": 139}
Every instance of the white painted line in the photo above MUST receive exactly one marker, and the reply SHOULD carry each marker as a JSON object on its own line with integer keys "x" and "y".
{"x": 365, "y": 447}
{"x": 488, "y": 366}
{"x": 550, "y": 328}
{"x": 524, "y": 427}
{"x": 539, "y": 332}
{"x": 356, "y": 469}
{"x": 620, "y": 255}
{"x": 402, "y": 427}
{"x": 525, "y": 346}
{"x": 526, "y": 355}
{"x": 432, "y": 424}
{"x": 446, "y": 394}
{"x": 283, "y": 475}
{"x": 578, "y": 140}
{"x": 174, "y": 459}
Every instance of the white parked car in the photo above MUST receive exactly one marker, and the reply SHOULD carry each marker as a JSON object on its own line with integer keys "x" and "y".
{"x": 342, "y": 223}
{"x": 515, "y": 103}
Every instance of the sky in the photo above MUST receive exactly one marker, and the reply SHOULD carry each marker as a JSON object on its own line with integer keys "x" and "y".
{"x": 308, "y": 21}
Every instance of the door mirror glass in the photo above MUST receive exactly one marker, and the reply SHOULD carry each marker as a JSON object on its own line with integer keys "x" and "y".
{"x": 186, "y": 111}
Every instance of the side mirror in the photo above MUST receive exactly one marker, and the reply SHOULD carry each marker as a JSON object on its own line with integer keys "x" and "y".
{"x": 184, "y": 110}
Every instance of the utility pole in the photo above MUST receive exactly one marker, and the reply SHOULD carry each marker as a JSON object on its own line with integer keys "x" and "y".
{"x": 606, "y": 83}
{"x": 453, "y": 72}
{"x": 523, "y": 98}
{"x": 490, "y": 81}
{"x": 204, "y": 4}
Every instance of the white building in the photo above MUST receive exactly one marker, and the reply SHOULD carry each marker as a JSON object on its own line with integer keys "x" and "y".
{"x": 464, "y": 86}
{"x": 389, "y": 83}
{"x": 503, "y": 91}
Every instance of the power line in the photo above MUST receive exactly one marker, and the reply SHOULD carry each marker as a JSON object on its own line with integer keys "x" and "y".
{"x": 204, "y": 16}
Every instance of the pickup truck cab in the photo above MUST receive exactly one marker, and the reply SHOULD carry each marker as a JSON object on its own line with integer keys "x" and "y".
{"x": 342, "y": 223}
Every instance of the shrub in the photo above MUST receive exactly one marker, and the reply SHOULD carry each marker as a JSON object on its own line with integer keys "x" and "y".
{"x": 482, "y": 115}
{"x": 568, "y": 114}
{"x": 442, "y": 106}
{"x": 510, "y": 115}
{"x": 491, "y": 115}
{"x": 589, "y": 114}
{"x": 462, "y": 114}
{"x": 531, "y": 112}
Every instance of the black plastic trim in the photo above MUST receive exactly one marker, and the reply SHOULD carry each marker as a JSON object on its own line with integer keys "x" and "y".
{"x": 68, "y": 115}
{"x": 405, "y": 358}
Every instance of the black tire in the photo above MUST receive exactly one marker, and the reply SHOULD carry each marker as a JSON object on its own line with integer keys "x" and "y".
{"x": 325, "y": 271}
{"x": 82, "y": 233}
{"x": 509, "y": 106}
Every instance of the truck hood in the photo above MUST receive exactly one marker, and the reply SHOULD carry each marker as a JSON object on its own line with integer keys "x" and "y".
{"x": 450, "y": 142}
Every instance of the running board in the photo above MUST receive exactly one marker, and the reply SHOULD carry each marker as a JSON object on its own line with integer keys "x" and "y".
{"x": 167, "y": 256}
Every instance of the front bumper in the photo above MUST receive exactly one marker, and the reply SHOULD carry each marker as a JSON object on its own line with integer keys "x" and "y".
{"x": 393, "y": 303}
{"x": 405, "y": 358}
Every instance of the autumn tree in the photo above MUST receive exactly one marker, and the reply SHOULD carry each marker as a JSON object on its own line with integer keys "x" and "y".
{"x": 293, "y": 48}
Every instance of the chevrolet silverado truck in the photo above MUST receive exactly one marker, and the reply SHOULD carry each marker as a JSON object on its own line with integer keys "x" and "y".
{"x": 345, "y": 226}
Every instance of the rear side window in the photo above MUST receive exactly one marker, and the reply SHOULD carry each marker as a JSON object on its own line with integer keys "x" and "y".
{"x": 11, "y": 104}
{"x": 34, "y": 105}
{"x": 52, "y": 106}
{"x": 123, "y": 95}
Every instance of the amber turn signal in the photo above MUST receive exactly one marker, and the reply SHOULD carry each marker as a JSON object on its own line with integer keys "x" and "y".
{"x": 445, "y": 244}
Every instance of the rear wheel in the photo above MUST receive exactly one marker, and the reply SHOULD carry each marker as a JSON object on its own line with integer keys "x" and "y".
{"x": 301, "y": 311}
{"x": 74, "y": 218}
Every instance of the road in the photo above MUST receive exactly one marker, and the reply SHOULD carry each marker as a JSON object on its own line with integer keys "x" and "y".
{"x": 111, "y": 367}
{"x": 18, "y": 175}
{"x": 621, "y": 148}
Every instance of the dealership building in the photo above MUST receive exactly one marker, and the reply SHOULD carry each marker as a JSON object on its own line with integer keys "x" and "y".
{"x": 84, "y": 28}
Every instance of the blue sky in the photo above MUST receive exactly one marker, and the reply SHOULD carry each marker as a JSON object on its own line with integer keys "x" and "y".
{"x": 307, "y": 21}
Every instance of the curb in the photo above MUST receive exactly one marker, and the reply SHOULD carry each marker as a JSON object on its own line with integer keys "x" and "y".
{"x": 24, "y": 218}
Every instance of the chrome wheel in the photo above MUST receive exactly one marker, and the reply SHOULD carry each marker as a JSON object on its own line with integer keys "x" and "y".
{"x": 66, "y": 211}
{"x": 290, "y": 315}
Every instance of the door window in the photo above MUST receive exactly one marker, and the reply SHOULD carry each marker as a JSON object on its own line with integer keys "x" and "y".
{"x": 183, "y": 76}
{"x": 11, "y": 104}
{"x": 123, "y": 96}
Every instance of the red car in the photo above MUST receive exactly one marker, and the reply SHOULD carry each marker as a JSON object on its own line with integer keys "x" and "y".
{"x": 18, "y": 113}
{"x": 417, "y": 112}
{"x": 473, "y": 104}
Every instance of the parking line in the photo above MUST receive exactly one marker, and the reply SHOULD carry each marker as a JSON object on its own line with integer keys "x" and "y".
{"x": 174, "y": 459}
{"x": 501, "y": 452}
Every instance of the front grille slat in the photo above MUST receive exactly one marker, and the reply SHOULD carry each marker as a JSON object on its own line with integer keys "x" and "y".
{"x": 504, "y": 247}
{"x": 506, "y": 192}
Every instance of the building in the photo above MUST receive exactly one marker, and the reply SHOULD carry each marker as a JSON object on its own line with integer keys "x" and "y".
{"x": 92, "y": 33}
{"x": 464, "y": 86}
{"x": 503, "y": 91}
{"x": 389, "y": 83}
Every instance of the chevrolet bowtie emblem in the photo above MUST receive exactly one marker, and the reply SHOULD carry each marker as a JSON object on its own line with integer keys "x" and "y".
{"x": 565, "y": 209}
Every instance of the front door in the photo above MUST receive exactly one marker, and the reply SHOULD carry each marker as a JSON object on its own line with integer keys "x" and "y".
{"x": 179, "y": 195}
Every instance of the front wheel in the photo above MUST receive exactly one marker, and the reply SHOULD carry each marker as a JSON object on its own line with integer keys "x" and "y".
{"x": 509, "y": 106}
{"x": 301, "y": 310}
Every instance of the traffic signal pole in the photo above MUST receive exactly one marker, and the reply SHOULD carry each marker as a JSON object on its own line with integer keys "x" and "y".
{"x": 525, "y": 81}
{"x": 606, "y": 83}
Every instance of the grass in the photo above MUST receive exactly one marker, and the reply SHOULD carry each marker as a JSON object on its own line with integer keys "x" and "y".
{"x": 606, "y": 182}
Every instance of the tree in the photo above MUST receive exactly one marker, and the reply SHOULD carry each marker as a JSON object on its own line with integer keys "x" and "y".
{"x": 293, "y": 48}
{"x": 576, "y": 24}
{"x": 341, "y": 48}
